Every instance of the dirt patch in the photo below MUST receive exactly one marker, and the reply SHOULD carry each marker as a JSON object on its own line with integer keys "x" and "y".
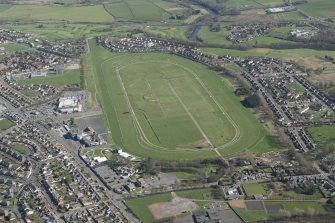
{"x": 254, "y": 205}
{"x": 237, "y": 203}
{"x": 203, "y": 144}
{"x": 274, "y": 208}
{"x": 149, "y": 99}
{"x": 175, "y": 207}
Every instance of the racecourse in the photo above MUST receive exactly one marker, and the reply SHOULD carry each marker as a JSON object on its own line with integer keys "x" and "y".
{"x": 167, "y": 107}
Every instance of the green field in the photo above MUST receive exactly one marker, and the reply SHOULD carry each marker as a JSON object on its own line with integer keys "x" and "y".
{"x": 5, "y": 124}
{"x": 255, "y": 188}
{"x": 94, "y": 13}
{"x": 187, "y": 175}
{"x": 99, "y": 153}
{"x": 4, "y": 7}
{"x": 140, "y": 205}
{"x": 59, "y": 31}
{"x": 29, "y": 93}
{"x": 167, "y": 107}
{"x": 322, "y": 135}
{"x": 21, "y": 148}
{"x": 318, "y": 8}
{"x": 214, "y": 37}
{"x": 12, "y": 47}
{"x": 60, "y": 80}
{"x": 290, "y": 208}
{"x": 251, "y": 216}
{"x": 264, "y": 189}
{"x": 290, "y": 16}
{"x": 197, "y": 194}
{"x": 176, "y": 32}
{"x": 140, "y": 10}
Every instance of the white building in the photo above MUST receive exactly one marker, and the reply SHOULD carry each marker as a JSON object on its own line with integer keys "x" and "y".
{"x": 69, "y": 105}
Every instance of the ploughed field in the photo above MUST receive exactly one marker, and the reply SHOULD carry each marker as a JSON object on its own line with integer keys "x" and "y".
{"x": 164, "y": 106}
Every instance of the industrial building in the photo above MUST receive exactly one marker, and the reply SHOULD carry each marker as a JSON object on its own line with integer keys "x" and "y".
{"x": 69, "y": 105}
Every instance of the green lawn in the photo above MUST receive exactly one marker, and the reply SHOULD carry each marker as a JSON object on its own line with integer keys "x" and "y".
{"x": 99, "y": 153}
{"x": 12, "y": 47}
{"x": 262, "y": 188}
{"x": 294, "y": 195}
{"x": 197, "y": 194}
{"x": 60, "y": 80}
{"x": 21, "y": 148}
{"x": 94, "y": 13}
{"x": 5, "y": 124}
{"x": 290, "y": 208}
{"x": 164, "y": 129}
{"x": 322, "y": 135}
{"x": 296, "y": 87}
{"x": 255, "y": 188}
{"x": 187, "y": 175}
{"x": 30, "y": 93}
{"x": 303, "y": 207}
{"x": 140, "y": 205}
{"x": 247, "y": 215}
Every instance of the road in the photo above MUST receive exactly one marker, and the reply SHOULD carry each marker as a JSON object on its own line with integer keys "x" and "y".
{"x": 72, "y": 148}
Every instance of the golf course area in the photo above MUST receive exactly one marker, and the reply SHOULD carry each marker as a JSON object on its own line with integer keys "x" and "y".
{"x": 167, "y": 107}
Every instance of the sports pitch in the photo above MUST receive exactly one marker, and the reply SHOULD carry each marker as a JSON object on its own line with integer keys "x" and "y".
{"x": 167, "y": 107}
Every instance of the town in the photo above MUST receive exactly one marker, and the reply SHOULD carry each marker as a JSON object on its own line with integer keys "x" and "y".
{"x": 174, "y": 111}
{"x": 58, "y": 164}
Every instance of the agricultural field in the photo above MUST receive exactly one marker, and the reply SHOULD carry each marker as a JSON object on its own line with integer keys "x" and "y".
{"x": 5, "y": 124}
{"x": 290, "y": 16}
{"x": 318, "y": 8}
{"x": 254, "y": 4}
{"x": 167, "y": 107}
{"x": 60, "y": 80}
{"x": 94, "y": 13}
{"x": 176, "y": 32}
{"x": 60, "y": 31}
{"x": 323, "y": 136}
{"x": 142, "y": 10}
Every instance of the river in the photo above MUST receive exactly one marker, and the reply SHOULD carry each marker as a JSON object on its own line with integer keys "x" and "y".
{"x": 197, "y": 27}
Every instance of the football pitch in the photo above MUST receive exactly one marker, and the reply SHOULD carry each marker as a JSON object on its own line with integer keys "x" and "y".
{"x": 162, "y": 106}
